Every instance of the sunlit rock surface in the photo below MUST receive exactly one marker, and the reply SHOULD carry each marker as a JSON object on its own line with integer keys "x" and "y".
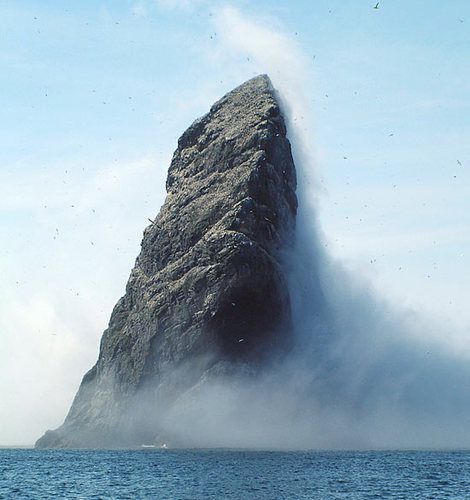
{"x": 208, "y": 291}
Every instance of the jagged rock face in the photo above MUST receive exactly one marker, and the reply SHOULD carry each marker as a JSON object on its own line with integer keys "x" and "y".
{"x": 208, "y": 288}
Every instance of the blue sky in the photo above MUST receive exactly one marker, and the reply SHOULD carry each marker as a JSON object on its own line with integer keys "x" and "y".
{"x": 95, "y": 94}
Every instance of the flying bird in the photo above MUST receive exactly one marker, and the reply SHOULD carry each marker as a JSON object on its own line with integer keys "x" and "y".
{"x": 154, "y": 222}
{"x": 376, "y": 5}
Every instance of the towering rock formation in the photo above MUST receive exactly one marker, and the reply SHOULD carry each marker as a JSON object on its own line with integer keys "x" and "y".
{"x": 208, "y": 291}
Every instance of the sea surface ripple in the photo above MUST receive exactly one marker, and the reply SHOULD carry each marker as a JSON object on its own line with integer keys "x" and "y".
{"x": 233, "y": 474}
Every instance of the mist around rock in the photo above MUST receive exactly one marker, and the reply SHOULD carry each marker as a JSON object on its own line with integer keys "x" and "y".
{"x": 363, "y": 374}
{"x": 360, "y": 377}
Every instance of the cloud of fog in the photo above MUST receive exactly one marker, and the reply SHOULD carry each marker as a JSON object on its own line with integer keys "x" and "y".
{"x": 363, "y": 374}
{"x": 278, "y": 55}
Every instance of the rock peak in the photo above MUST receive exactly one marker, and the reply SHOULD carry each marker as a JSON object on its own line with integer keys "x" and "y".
{"x": 208, "y": 292}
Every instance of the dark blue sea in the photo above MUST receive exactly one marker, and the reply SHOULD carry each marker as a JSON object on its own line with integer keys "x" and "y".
{"x": 223, "y": 474}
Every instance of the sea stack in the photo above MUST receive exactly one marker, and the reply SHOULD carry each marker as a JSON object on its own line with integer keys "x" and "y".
{"x": 208, "y": 293}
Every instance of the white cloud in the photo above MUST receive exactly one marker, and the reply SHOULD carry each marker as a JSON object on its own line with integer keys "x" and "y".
{"x": 272, "y": 52}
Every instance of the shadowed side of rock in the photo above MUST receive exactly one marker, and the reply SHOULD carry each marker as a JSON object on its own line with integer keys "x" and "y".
{"x": 208, "y": 289}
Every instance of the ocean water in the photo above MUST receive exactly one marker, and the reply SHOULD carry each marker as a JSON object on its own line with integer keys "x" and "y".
{"x": 228, "y": 474}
